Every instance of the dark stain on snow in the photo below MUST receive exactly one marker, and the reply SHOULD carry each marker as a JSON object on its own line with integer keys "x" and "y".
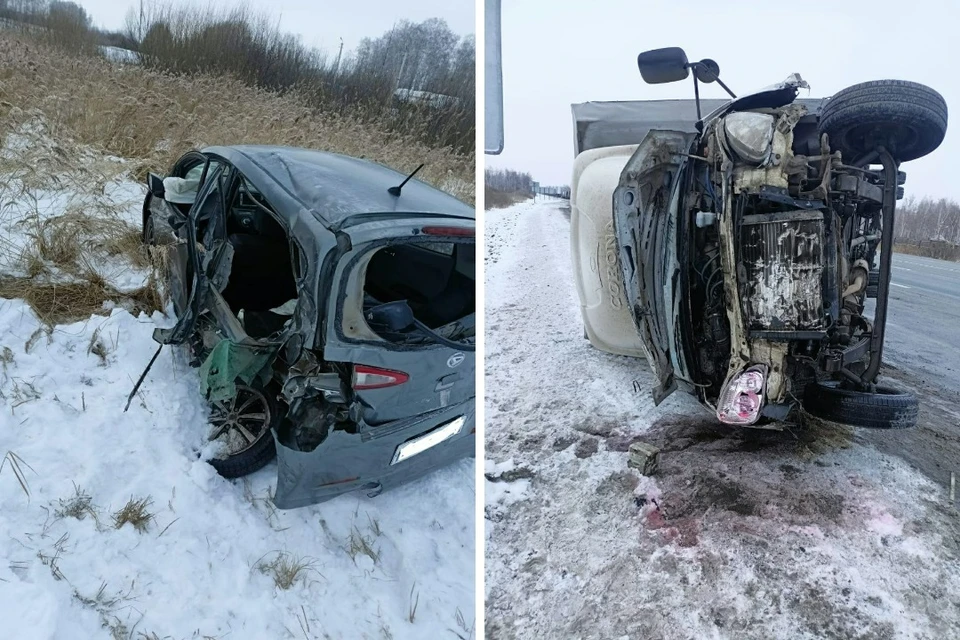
{"x": 587, "y": 447}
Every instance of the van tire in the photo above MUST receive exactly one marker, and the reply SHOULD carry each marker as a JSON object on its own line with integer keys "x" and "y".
{"x": 909, "y": 118}
{"x": 888, "y": 408}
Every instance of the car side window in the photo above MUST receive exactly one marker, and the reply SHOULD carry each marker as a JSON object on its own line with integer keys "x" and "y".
{"x": 194, "y": 172}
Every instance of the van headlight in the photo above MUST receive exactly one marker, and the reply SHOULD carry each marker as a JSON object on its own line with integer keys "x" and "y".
{"x": 750, "y": 136}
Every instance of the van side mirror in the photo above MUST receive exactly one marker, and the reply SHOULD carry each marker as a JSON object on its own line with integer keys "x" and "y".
{"x": 155, "y": 185}
{"x": 663, "y": 65}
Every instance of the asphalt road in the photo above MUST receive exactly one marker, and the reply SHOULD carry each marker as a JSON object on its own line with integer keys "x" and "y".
{"x": 922, "y": 353}
{"x": 924, "y": 319}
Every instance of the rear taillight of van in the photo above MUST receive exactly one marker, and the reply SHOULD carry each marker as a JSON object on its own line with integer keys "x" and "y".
{"x": 367, "y": 377}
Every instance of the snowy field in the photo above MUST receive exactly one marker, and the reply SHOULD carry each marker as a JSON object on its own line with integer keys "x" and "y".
{"x": 194, "y": 556}
{"x": 806, "y": 534}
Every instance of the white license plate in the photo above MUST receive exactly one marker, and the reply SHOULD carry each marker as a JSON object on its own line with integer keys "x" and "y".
{"x": 431, "y": 439}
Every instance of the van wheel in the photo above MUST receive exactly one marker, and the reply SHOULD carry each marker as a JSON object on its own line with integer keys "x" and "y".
{"x": 909, "y": 118}
{"x": 888, "y": 408}
{"x": 244, "y": 424}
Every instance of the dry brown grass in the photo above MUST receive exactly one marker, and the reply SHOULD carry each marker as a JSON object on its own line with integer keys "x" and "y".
{"x": 153, "y": 117}
{"x": 71, "y": 301}
{"x": 54, "y": 195}
{"x": 136, "y": 512}
{"x": 930, "y": 249}
{"x": 494, "y": 199}
{"x": 286, "y": 569}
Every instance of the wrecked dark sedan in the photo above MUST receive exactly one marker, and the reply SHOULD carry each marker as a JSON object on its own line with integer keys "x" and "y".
{"x": 329, "y": 304}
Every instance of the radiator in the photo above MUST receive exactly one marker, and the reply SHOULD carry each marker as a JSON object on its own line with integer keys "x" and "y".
{"x": 780, "y": 275}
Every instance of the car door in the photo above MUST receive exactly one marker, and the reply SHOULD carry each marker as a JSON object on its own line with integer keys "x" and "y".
{"x": 394, "y": 381}
{"x": 168, "y": 217}
{"x": 202, "y": 254}
{"x": 646, "y": 205}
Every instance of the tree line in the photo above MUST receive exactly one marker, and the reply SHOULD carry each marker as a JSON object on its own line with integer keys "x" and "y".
{"x": 508, "y": 181}
{"x": 927, "y": 219}
{"x": 417, "y": 78}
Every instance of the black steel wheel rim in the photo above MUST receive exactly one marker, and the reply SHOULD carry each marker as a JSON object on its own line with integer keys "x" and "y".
{"x": 242, "y": 421}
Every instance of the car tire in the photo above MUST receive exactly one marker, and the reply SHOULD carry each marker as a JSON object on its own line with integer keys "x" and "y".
{"x": 149, "y": 231}
{"x": 908, "y": 117}
{"x": 260, "y": 452}
{"x": 888, "y": 408}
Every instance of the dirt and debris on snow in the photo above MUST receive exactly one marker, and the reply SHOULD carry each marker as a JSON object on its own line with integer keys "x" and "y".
{"x": 111, "y": 523}
{"x": 805, "y": 533}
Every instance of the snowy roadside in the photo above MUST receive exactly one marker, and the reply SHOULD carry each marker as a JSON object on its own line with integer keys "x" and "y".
{"x": 812, "y": 535}
{"x": 206, "y": 557}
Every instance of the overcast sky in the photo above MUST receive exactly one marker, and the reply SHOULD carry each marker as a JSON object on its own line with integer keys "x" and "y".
{"x": 559, "y": 53}
{"x": 321, "y": 23}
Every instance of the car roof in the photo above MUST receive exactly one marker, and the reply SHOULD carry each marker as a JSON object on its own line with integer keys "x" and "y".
{"x": 332, "y": 186}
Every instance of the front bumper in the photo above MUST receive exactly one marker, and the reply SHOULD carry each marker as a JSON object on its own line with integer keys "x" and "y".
{"x": 348, "y": 462}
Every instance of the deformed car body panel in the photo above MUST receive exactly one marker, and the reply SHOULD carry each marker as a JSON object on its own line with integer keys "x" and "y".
{"x": 333, "y": 187}
{"x": 347, "y": 462}
{"x": 645, "y": 207}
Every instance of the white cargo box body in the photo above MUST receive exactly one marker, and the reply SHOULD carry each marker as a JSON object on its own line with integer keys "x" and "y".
{"x": 603, "y": 305}
{"x": 605, "y": 136}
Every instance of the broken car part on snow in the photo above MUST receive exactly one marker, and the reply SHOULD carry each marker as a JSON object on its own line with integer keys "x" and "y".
{"x": 736, "y": 250}
{"x": 329, "y": 303}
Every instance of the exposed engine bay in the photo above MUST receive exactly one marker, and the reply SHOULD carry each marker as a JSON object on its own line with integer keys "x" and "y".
{"x": 796, "y": 252}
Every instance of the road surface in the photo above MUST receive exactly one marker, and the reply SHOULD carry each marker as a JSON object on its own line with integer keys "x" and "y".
{"x": 924, "y": 319}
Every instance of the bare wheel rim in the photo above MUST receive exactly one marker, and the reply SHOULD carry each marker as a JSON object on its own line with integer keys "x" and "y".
{"x": 241, "y": 421}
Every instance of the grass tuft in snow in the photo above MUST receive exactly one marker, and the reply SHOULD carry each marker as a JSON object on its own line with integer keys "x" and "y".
{"x": 135, "y": 512}
{"x": 359, "y": 544}
{"x": 464, "y": 631}
{"x": 21, "y": 392}
{"x": 52, "y": 560}
{"x": 414, "y": 602}
{"x": 287, "y": 569}
{"x": 98, "y": 348}
{"x": 16, "y": 464}
{"x": 35, "y": 337}
{"x": 56, "y": 303}
{"x": 6, "y": 358}
{"x": 106, "y": 605}
{"x": 374, "y": 526}
{"x": 78, "y": 506}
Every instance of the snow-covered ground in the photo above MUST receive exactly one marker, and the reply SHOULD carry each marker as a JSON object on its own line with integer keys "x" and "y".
{"x": 207, "y": 561}
{"x": 806, "y": 534}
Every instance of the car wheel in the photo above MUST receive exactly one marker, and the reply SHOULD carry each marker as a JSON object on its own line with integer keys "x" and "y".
{"x": 149, "y": 232}
{"x": 244, "y": 424}
{"x": 888, "y": 408}
{"x": 910, "y": 119}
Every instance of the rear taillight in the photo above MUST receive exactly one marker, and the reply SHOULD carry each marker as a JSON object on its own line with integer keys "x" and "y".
{"x": 449, "y": 231}
{"x": 742, "y": 398}
{"x": 365, "y": 377}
